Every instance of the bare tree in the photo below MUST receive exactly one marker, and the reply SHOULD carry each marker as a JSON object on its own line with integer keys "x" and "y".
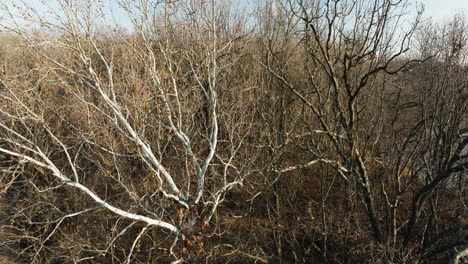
{"x": 441, "y": 161}
{"x": 343, "y": 122}
{"x": 350, "y": 44}
{"x": 381, "y": 139}
{"x": 151, "y": 96}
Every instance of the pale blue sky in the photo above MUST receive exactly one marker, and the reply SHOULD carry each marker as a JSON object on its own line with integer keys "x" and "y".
{"x": 443, "y": 9}
{"x": 439, "y": 10}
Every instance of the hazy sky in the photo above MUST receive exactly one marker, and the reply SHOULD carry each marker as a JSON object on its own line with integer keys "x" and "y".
{"x": 437, "y": 9}
{"x": 440, "y": 9}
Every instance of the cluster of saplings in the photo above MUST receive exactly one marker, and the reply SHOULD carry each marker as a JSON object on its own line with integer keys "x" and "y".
{"x": 285, "y": 131}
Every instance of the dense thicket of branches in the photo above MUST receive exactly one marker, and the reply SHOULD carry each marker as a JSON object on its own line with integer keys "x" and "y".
{"x": 305, "y": 131}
